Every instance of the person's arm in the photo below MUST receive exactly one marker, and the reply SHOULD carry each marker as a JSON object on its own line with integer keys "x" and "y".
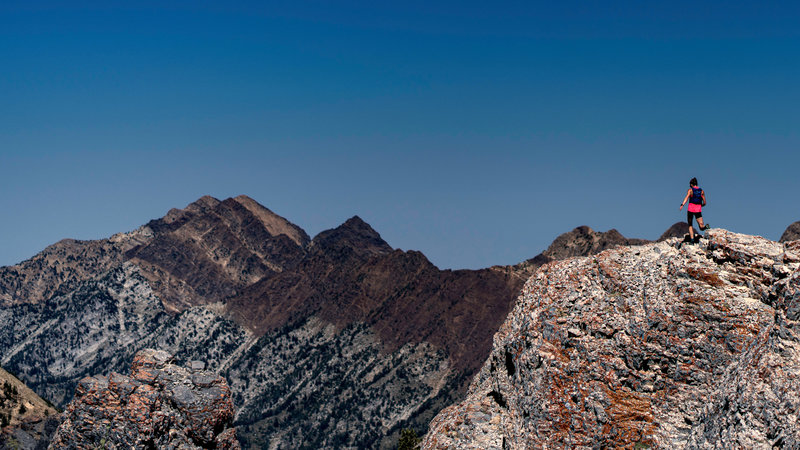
{"x": 685, "y": 199}
{"x": 703, "y": 193}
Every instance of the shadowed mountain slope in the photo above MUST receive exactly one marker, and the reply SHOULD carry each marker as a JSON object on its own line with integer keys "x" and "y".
{"x": 678, "y": 230}
{"x": 792, "y": 233}
{"x": 212, "y": 249}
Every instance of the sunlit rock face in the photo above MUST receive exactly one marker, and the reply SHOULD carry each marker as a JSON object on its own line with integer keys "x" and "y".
{"x": 661, "y": 345}
{"x": 159, "y": 405}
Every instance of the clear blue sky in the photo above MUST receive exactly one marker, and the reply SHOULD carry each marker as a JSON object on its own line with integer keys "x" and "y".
{"x": 475, "y": 132}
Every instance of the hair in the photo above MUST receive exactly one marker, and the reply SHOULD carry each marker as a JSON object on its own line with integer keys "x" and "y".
{"x": 693, "y": 182}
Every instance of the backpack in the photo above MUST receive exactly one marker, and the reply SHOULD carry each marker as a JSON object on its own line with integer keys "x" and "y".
{"x": 697, "y": 196}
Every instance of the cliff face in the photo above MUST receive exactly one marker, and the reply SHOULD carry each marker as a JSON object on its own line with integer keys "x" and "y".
{"x": 659, "y": 346}
{"x": 160, "y": 405}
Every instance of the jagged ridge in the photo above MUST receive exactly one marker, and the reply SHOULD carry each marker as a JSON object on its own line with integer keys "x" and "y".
{"x": 231, "y": 283}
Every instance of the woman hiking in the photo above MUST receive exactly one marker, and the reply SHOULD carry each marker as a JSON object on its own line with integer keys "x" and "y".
{"x": 697, "y": 199}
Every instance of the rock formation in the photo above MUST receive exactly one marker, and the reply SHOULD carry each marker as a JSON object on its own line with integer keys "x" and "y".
{"x": 792, "y": 233}
{"x": 160, "y": 405}
{"x": 648, "y": 346}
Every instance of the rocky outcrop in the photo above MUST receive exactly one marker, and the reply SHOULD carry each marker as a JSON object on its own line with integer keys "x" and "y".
{"x": 792, "y": 233}
{"x": 649, "y": 346}
{"x": 160, "y": 405}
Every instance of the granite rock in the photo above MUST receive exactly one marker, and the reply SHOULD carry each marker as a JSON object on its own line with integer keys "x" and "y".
{"x": 655, "y": 346}
{"x": 158, "y": 406}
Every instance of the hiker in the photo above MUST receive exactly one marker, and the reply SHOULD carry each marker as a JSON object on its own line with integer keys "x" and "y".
{"x": 697, "y": 199}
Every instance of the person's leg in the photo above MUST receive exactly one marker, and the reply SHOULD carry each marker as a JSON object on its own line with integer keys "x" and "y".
{"x": 699, "y": 217}
{"x": 689, "y": 217}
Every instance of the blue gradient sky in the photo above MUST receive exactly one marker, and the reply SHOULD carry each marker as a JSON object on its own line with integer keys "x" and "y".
{"x": 475, "y": 132}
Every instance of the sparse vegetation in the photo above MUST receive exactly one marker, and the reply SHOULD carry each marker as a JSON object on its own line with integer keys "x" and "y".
{"x": 408, "y": 440}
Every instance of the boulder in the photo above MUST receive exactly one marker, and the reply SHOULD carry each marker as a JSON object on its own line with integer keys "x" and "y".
{"x": 159, "y": 405}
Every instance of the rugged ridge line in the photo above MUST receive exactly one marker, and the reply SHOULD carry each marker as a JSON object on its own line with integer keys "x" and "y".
{"x": 289, "y": 321}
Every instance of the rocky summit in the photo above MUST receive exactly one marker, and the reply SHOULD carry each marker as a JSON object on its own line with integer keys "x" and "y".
{"x": 160, "y": 405}
{"x": 655, "y": 346}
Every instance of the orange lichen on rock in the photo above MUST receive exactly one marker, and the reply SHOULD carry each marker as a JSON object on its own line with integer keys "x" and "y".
{"x": 160, "y": 406}
{"x": 636, "y": 348}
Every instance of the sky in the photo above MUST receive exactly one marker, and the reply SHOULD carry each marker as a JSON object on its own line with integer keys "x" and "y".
{"x": 475, "y": 132}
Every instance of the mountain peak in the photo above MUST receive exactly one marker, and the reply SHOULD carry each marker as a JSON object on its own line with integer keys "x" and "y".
{"x": 792, "y": 233}
{"x": 584, "y": 241}
{"x": 678, "y": 230}
{"x": 203, "y": 203}
{"x": 275, "y": 224}
{"x": 357, "y": 223}
{"x": 356, "y": 234}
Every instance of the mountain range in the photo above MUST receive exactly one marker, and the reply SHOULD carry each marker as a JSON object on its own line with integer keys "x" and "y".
{"x": 334, "y": 341}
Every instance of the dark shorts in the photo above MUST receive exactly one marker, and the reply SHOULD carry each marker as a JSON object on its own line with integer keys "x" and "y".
{"x": 690, "y": 215}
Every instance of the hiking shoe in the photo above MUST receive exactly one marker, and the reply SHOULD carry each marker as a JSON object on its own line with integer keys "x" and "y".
{"x": 707, "y": 227}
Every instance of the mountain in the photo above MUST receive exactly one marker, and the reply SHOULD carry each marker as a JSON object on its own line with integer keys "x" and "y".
{"x": 331, "y": 341}
{"x": 583, "y": 241}
{"x": 25, "y": 418}
{"x": 678, "y": 230}
{"x": 792, "y": 233}
{"x": 334, "y": 341}
{"x": 652, "y": 346}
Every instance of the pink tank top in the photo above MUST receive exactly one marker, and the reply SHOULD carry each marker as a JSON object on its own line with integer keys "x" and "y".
{"x": 694, "y": 207}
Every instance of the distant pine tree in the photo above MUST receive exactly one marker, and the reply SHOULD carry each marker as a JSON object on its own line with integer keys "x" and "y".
{"x": 408, "y": 440}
